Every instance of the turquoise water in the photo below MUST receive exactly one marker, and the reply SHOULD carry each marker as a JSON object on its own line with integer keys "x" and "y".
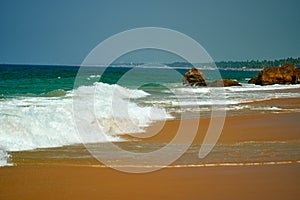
{"x": 27, "y": 80}
{"x": 38, "y": 103}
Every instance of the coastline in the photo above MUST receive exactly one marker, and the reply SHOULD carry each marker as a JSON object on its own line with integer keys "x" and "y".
{"x": 254, "y": 127}
{"x": 50, "y": 178}
{"x": 293, "y": 103}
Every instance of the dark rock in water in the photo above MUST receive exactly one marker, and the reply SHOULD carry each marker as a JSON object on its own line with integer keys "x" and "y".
{"x": 298, "y": 77}
{"x": 286, "y": 74}
{"x": 194, "y": 77}
{"x": 223, "y": 83}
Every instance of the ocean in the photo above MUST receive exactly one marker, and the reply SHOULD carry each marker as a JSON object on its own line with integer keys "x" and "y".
{"x": 37, "y": 109}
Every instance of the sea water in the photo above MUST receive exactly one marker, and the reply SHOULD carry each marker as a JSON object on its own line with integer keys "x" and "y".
{"x": 37, "y": 102}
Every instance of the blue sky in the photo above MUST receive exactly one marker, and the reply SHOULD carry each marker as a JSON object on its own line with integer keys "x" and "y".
{"x": 64, "y": 32}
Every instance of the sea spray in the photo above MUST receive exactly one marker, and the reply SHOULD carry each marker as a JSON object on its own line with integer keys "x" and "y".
{"x": 3, "y": 158}
{"x": 40, "y": 122}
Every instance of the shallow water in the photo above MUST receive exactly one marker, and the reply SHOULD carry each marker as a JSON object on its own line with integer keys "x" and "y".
{"x": 243, "y": 153}
{"x": 43, "y": 107}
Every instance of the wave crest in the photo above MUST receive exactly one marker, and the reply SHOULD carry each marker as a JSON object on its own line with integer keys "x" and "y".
{"x": 40, "y": 122}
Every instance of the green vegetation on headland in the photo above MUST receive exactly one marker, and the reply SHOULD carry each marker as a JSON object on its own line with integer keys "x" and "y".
{"x": 252, "y": 64}
{"x": 235, "y": 65}
{"x": 258, "y": 64}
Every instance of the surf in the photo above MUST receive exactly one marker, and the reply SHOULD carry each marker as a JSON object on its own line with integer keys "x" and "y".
{"x": 28, "y": 123}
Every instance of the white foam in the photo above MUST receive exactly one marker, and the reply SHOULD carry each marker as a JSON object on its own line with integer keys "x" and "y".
{"x": 229, "y": 164}
{"x": 194, "y": 103}
{"x": 267, "y": 108}
{"x": 3, "y": 158}
{"x": 40, "y": 122}
{"x": 209, "y": 96}
{"x": 36, "y": 122}
{"x": 95, "y": 76}
{"x": 114, "y": 113}
{"x": 252, "y": 87}
{"x": 202, "y": 90}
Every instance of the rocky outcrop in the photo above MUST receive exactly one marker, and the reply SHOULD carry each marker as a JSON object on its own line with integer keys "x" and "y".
{"x": 194, "y": 77}
{"x": 298, "y": 77}
{"x": 286, "y": 74}
{"x": 223, "y": 83}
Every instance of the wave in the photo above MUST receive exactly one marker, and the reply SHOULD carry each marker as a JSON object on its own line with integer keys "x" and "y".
{"x": 252, "y": 87}
{"x": 39, "y": 122}
{"x": 208, "y": 96}
{"x": 244, "y": 88}
{"x": 225, "y": 164}
{"x": 3, "y": 158}
{"x": 236, "y": 164}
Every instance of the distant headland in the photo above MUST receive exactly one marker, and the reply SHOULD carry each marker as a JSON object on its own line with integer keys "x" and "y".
{"x": 224, "y": 65}
{"x": 249, "y": 64}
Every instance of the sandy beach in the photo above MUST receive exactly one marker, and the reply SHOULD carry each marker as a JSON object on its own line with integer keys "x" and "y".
{"x": 273, "y": 181}
{"x": 247, "y": 182}
{"x": 154, "y": 100}
{"x": 253, "y": 127}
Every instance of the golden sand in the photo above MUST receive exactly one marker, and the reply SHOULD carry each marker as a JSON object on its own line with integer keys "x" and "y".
{"x": 222, "y": 182}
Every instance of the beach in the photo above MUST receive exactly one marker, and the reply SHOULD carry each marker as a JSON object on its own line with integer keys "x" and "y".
{"x": 239, "y": 182}
{"x": 154, "y": 100}
{"x": 49, "y": 179}
{"x": 44, "y": 155}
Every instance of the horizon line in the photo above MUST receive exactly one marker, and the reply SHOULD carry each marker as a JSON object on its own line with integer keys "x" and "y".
{"x": 143, "y": 63}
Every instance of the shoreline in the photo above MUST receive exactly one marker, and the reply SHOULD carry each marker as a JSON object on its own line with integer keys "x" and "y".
{"x": 50, "y": 178}
{"x": 256, "y": 127}
{"x": 259, "y": 127}
{"x": 294, "y": 102}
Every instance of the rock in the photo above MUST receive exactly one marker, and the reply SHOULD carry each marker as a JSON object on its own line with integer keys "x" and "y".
{"x": 286, "y": 74}
{"x": 223, "y": 83}
{"x": 194, "y": 77}
{"x": 253, "y": 80}
{"x": 298, "y": 77}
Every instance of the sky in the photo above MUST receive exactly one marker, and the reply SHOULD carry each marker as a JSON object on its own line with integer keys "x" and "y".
{"x": 65, "y": 31}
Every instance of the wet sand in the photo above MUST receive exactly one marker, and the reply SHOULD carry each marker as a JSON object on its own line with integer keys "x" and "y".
{"x": 248, "y": 182}
{"x": 280, "y": 102}
{"x": 220, "y": 182}
{"x": 259, "y": 127}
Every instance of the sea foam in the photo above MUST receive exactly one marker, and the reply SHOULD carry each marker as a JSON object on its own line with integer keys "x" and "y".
{"x": 3, "y": 158}
{"x": 40, "y": 122}
{"x": 228, "y": 95}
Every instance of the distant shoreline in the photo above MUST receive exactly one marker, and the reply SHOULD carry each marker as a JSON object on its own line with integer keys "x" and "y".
{"x": 254, "y": 65}
{"x": 211, "y": 67}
